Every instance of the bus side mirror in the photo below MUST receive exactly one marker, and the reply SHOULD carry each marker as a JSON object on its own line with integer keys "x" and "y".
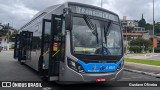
{"x": 68, "y": 22}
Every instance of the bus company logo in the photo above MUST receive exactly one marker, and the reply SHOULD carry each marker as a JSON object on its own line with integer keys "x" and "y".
{"x": 94, "y": 67}
{"x": 102, "y": 68}
{"x": 6, "y": 84}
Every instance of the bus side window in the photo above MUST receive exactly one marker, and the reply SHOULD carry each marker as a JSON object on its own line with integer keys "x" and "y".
{"x": 36, "y": 43}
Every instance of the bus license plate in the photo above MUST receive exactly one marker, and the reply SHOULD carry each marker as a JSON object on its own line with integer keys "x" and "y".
{"x": 100, "y": 79}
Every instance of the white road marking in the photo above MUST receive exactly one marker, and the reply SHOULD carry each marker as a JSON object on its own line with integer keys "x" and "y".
{"x": 131, "y": 78}
{"x": 47, "y": 88}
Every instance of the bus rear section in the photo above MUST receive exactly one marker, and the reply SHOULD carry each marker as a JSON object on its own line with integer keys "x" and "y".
{"x": 82, "y": 44}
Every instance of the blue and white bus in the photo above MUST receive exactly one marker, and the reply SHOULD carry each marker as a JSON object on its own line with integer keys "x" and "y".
{"x": 73, "y": 42}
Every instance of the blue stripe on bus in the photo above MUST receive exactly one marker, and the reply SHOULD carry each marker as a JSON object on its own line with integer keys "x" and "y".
{"x": 97, "y": 67}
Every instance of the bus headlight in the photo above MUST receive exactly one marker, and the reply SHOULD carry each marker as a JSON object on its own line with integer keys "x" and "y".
{"x": 121, "y": 65}
{"x": 75, "y": 66}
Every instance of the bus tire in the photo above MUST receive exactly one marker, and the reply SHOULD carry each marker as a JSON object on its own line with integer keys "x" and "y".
{"x": 44, "y": 78}
{"x": 22, "y": 63}
{"x": 40, "y": 65}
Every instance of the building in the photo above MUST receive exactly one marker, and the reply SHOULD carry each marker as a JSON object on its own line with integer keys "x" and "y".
{"x": 156, "y": 39}
{"x": 131, "y": 29}
{"x": 135, "y": 32}
{"x": 131, "y": 23}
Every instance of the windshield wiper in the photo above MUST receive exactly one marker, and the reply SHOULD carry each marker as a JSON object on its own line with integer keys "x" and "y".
{"x": 91, "y": 26}
{"x": 107, "y": 30}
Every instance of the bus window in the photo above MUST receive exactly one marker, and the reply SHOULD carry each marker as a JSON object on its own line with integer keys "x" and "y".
{"x": 47, "y": 31}
{"x": 25, "y": 45}
{"x": 58, "y": 35}
{"x": 46, "y": 43}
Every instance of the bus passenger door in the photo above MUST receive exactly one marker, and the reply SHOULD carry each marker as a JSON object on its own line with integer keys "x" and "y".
{"x": 29, "y": 45}
{"x": 45, "y": 48}
{"x": 25, "y": 46}
{"x": 55, "y": 45}
{"x": 16, "y": 46}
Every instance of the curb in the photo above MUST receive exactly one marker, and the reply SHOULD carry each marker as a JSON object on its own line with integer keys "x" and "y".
{"x": 142, "y": 72}
{"x": 142, "y": 64}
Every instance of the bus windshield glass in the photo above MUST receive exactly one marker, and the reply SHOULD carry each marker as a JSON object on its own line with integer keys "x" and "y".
{"x": 96, "y": 37}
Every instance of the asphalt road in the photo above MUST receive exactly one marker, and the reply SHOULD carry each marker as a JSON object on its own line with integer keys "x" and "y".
{"x": 11, "y": 70}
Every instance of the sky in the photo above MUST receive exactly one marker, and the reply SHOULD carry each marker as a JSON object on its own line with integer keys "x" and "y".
{"x": 19, "y": 12}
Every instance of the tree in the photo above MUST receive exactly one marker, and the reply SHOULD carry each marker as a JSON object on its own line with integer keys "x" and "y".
{"x": 156, "y": 28}
{"x": 148, "y": 26}
{"x": 142, "y": 22}
{"x": 5, "y": 30}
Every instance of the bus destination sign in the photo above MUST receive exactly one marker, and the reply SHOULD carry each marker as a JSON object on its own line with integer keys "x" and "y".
{"x": 94, "y": 12}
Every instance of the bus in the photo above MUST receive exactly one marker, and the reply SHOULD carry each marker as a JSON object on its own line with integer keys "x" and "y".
{"x": 72, "y": 42}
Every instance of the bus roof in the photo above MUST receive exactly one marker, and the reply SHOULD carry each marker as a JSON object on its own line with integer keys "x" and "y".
{"x": 90, "y": 6}
{"x": 48, "y": 10}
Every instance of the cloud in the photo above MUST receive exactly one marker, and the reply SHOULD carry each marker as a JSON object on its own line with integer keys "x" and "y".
{"x": 19, "y": 12}
{"x": 134, "y": 9}
{"x": 41, "y": 4}
{"x": 15, "y": 14}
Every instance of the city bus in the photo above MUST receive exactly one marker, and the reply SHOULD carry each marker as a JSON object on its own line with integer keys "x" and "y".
{"x": 72, "y": 42}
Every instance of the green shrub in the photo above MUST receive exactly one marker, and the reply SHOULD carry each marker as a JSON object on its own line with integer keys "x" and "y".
{"x": 141, "y": 42}
{"x": 135, "y": 49}
{"x": 150, "y": 49}
{"x": 157, "y": 50}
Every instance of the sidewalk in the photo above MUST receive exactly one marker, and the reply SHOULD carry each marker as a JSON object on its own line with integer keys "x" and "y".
{"x": 147, "y": 56}
{"x": 143, "y": 69}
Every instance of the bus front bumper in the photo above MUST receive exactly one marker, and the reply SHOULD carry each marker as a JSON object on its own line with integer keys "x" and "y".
{"x": 73, "y": 76}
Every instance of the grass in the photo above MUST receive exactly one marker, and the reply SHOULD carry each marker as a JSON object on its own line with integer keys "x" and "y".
{"x": 143, "y": 61}
{"x": 136, "y": 53}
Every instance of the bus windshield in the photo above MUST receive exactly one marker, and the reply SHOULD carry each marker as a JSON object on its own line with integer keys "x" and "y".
{"x": 95, "y": 37}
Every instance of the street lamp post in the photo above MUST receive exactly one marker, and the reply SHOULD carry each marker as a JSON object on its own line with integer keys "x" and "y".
{"x": 153, "y": 26}
{"x": 101, "y": 4}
